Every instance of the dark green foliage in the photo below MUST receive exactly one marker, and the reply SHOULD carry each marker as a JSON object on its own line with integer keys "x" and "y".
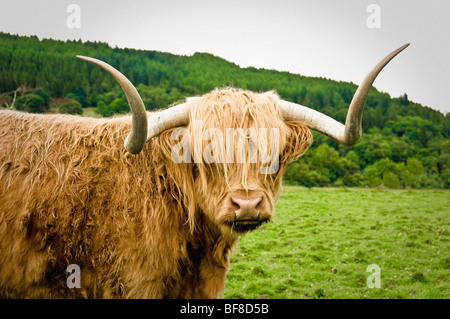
{"x": 32, "y": 103}
{"x": 404, "y": 143}
{"x": 118, "y": 105}
{"x": 44, "y": 95}
{"x": 73, "y": 107}
{"x": 79, "y": 94}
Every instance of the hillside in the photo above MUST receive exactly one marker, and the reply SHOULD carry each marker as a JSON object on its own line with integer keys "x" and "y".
{"x": 404, "y": 144}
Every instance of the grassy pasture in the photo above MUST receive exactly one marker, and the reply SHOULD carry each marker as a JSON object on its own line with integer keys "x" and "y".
{"x": 321, "y": 242}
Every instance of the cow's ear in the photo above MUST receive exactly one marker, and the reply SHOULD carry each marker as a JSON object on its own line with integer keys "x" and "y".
{"x": 298, "y": 141}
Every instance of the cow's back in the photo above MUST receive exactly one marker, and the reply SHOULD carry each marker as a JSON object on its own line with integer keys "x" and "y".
{"x": 54, "y": 170}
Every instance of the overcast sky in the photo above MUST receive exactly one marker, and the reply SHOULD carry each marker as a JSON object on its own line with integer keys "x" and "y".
{"x": 328, "y": 38}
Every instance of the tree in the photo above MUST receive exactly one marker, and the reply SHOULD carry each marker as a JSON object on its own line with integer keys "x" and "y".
{"x": 404, "y": 99}
{"x": 376, "y": 172}
{"x": 81, "y": 96}
{"x": 445, "y": 177}
{"x": 400, "y": 149}
{"x": 391, "y": 180}
{"x": 352, "y": 156}
{"x": 100, "y": 109}
{"x": 118, "y": 105}
{"x": 73, "y": 107}
{"x": 32, "y": 103}
{"x": 423, "y": 136}
{"x": 10, "y": 102}
{"x": 353, "y": 180}
{"x": 44, "y": 95}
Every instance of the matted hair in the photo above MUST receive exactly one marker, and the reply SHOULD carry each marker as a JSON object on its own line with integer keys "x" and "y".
{"x": 226, "y": 108}
{"x": 70, "y": 192}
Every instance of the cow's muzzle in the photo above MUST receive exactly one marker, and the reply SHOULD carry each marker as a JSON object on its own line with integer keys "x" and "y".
{"x": 250, "y": 210}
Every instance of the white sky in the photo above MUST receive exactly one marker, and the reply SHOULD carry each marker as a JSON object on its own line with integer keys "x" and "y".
{"x": 326, "y": 38}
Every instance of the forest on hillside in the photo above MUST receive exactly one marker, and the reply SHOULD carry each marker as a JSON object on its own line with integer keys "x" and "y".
{"x": 404, "y": 143}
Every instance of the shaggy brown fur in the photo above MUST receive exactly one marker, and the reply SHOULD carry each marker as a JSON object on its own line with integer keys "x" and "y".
{"x": 139, "y": 226}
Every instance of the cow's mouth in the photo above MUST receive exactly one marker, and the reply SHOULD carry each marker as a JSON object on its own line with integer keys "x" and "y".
{"x": 245, "y": 225}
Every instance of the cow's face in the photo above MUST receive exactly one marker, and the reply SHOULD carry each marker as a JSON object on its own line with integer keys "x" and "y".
{"x": 239, "y": 164}
{"x": 233, "y": 205}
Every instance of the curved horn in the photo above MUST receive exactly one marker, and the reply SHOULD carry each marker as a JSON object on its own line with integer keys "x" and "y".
{"x": 174, "y": 116}
{"x": 135, "y": 141}
{"x": 350, "y": 133}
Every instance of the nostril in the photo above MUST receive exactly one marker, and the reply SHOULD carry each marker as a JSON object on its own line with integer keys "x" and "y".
{"x": 259, "y": 203}
{"x": 235, "y": 204}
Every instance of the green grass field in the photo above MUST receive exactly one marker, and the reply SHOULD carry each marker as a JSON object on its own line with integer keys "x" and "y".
{"x": 321, "y": 242}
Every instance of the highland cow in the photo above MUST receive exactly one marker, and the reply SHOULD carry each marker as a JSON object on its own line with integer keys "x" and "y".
{"x": 138, "y": 223}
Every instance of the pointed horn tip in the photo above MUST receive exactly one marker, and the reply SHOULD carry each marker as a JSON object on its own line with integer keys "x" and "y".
{"x": 400, "y": 49}
{"x": 404, "y": 46}
{"x": 89, "y": 59}
{"x": 86, "y": 58}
